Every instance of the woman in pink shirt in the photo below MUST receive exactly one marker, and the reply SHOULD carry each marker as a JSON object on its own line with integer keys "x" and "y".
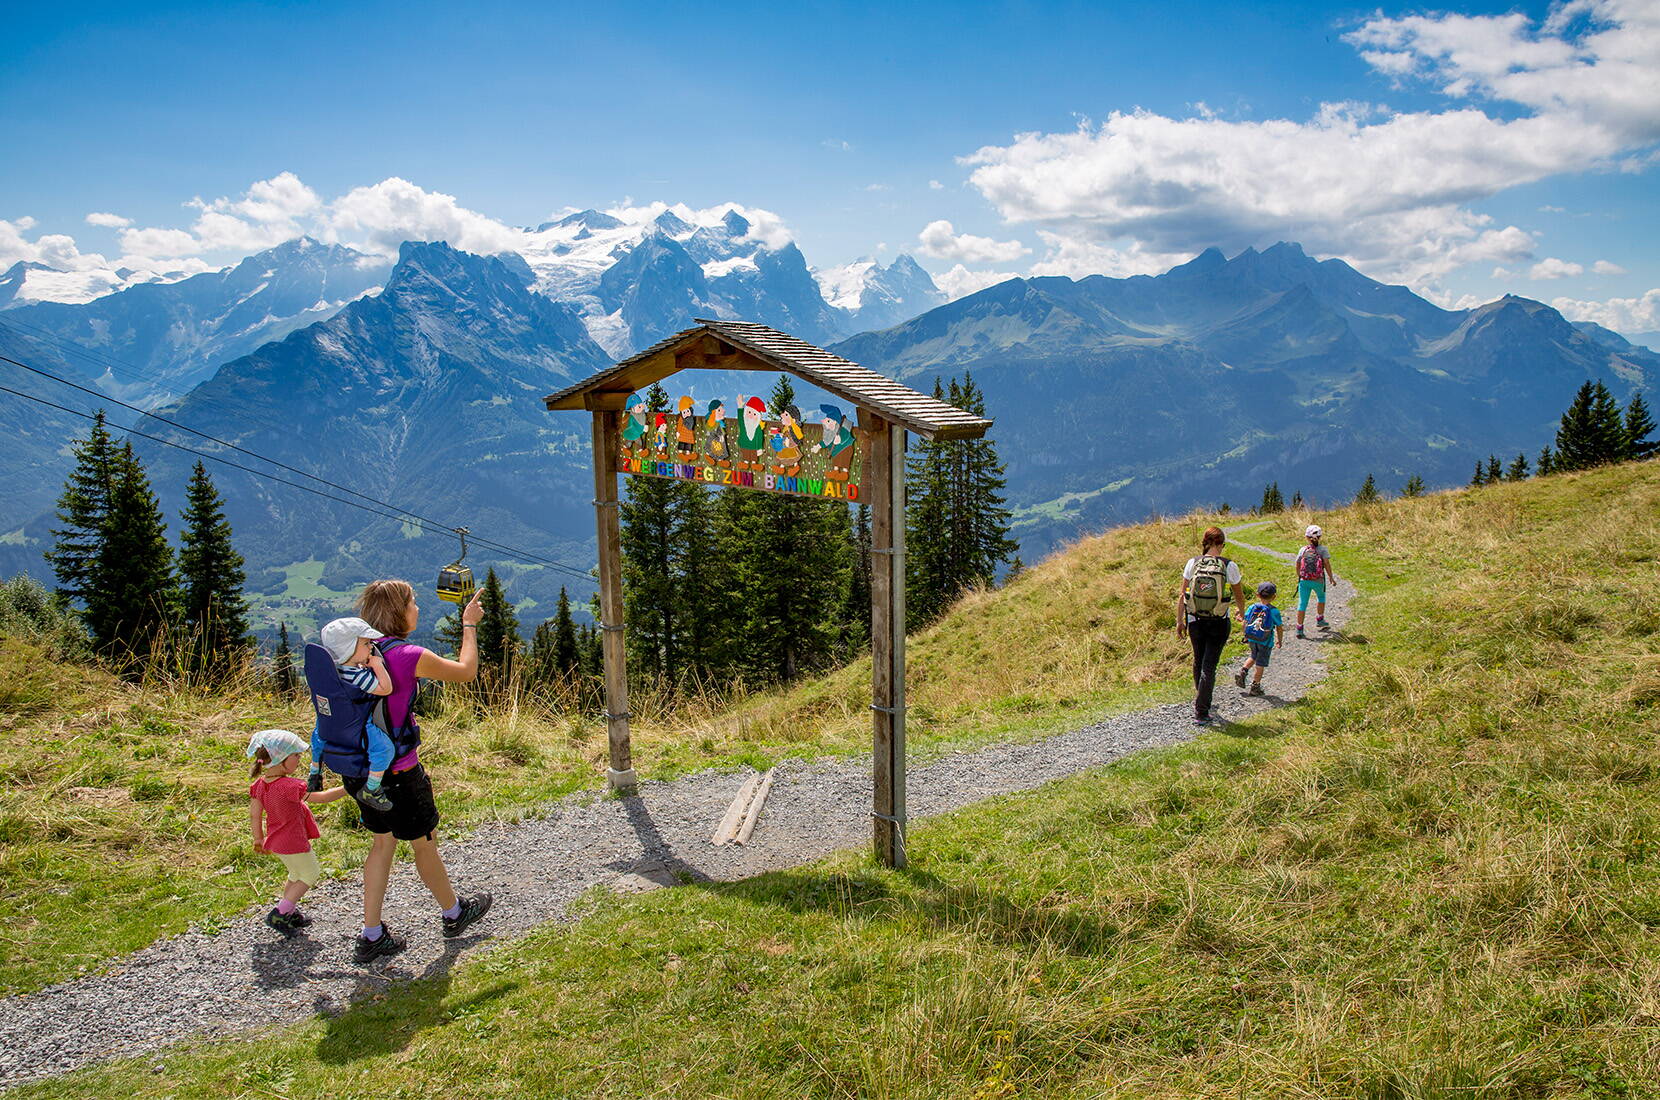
{"x": 389, "y": 607}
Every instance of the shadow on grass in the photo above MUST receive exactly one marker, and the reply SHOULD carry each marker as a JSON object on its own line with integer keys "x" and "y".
{"x": 384, "y": 1017}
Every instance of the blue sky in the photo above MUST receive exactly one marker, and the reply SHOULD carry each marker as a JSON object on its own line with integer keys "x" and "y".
{"x": 1480, "y": 149}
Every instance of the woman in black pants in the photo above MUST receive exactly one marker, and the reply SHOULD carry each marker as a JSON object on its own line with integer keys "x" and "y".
{"x": 1202, "y": 614}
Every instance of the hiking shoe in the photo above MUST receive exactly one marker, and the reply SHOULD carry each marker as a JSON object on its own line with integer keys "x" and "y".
{"x": 1300, "y": 633}
{"x": 374, "y": 800}
{"x": 1256, "y": 689}
{"x": 286, "y": 923}
{"x": 367, "y": 951}
{"x": 471, "y": 910}
{"x": 301, "y": 919}
{"x": 1197, "y": 721}
{"x": 1239, "y": 677}
{"x": 1322, "y": 624}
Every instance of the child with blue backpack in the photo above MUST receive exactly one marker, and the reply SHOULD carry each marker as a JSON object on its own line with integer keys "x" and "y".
{"x": 1264, "y": 627}
{"x": 361, "y": 669}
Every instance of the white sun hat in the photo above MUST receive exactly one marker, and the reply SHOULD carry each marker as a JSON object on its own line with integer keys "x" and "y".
{"x": 340, "y": 637}
{"x": 1312, "y": 531}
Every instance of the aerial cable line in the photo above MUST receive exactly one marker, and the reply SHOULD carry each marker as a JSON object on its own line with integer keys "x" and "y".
{"x": 426, "y": 523}
{"x": 91, "y": 355}
{"x": 426, "y": 526}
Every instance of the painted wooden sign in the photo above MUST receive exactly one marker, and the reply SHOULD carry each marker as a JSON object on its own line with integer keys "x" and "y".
{"x": 817, "y": 452}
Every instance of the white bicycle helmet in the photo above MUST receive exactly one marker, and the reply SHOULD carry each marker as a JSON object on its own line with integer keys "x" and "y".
{"x": 1312, "y": 531}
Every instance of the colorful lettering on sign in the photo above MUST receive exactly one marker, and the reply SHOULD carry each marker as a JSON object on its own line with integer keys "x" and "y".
{"x": 775, "y": 452}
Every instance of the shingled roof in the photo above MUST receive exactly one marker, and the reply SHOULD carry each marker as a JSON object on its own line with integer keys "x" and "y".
{"x": 736, "y": 345}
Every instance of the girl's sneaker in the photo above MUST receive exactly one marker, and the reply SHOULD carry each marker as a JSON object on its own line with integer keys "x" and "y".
{"x": 1300, "y": 633}
{"x": 287, "y": 923}
{"x": 1239, "y": 677}
{"x": 1322, "y": 624}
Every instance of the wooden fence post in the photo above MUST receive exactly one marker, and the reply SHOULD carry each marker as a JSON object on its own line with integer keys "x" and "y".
{"x": 607, "y": 432}
{"x": 887, "y": 635}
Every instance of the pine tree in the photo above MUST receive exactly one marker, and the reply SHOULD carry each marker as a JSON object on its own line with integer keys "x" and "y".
{"x": 1495, "y": 470}
{"x": 1480, "y": 477}
{"x": 1272, "y": 500}
{"x": 128, "y": 609}
{"x": 927, "y": 508}
{"x": 1547, "y": 462}
{"x": 1574, "y": 444}
{"x": 1016, "y": 568}
{"x": 1638, "y": 426}
{"x": 211, "y": 575}
{"x": 700, "y": 605}
{"x": 1226, "y": 509}
{"x": 1517, "y": 470}
{"x": 1414, "y": 487}
{"x": 1368, "y": 493}
{"x": 446, "y": 634}
{"x": 856, "y": 607}
{"x": 83, "y": 511}
{"x": 1608, "y": 428}
{"x": 498, "y": 630}
{"x": 567, "y": 657}
{"x": 282, "y": 665}
{"x": 1297, "y": 499}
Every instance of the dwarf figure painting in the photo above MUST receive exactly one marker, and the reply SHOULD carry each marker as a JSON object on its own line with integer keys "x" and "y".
{"x": 785, "y": 441}
{"x": 634, "y": 426}
{"x": 838, "y": 439}
{"x": 752, "y": 435}
{"x": 685, "y": 431}
{"x": 714, "y": 438}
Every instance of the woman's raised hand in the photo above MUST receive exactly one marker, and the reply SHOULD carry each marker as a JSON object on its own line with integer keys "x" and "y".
{"x": 474, "y": 611}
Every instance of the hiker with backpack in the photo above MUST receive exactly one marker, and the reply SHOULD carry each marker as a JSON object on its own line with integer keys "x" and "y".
{"x": 1313, "y": 570}
{"x": 1210, "y": 585}
{"x": 388, "y": 607}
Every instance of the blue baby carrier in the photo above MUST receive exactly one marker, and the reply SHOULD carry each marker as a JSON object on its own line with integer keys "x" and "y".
{"x": 344, "y": 714}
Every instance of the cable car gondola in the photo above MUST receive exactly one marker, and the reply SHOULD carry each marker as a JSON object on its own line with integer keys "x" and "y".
{"x": 455, "y": 580}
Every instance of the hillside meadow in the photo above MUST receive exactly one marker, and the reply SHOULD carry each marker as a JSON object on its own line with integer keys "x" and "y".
{"x": 123, "y": 807}
{"x": 1435, "y": 877}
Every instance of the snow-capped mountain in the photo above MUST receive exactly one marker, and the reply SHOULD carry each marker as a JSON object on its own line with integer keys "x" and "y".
{"x": 635, "y": 281}
{"x": 880, "y": 297}
{"x": 28, "y": 282}
{"x": 154, "y": 341}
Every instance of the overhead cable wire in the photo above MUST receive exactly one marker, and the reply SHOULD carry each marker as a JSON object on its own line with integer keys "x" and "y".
{"x": 426, "y": 526}
{"x": 429, "y": 521}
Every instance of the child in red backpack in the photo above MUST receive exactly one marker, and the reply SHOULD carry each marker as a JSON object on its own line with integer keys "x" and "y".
{"x": 279, "y": 815}
{"x": 1313, "y": 570}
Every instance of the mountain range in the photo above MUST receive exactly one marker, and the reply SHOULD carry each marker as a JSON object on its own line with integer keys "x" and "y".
{"x": 1116, "y": 398}
{"x": 1113, "y": 398}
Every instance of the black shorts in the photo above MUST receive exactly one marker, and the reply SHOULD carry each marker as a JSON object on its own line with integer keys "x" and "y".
{"x": 413, "y": 816}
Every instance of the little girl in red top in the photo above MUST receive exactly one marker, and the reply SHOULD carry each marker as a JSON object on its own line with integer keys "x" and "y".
{"x": 288, "y": 828}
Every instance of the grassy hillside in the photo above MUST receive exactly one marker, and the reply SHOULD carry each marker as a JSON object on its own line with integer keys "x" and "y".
{"x": 94, "y": 767}
{"x": 1437, "y": 877}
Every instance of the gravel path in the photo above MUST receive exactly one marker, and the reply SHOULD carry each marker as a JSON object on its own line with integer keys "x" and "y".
{"x": 245, "y": 976}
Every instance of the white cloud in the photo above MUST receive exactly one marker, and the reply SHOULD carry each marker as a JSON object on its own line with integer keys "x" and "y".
{"x": 1552, "y": 268}
{"x": 1606, "y": 267}
{"x": 942, "y": 242}
{"x": 1077, "y": 258}
{"x": 108, "y": 221}
{"x": 52, "y": 249}
{"x": 837, "y": 145}
{"x": 1388, "y": 191}
{"x": 1640, "y": 314}
{"x": 877, "y": 187}
{"x": 379, "y": 218}
{"x": 960, "y": 282}
{"x": 935, "y": 185}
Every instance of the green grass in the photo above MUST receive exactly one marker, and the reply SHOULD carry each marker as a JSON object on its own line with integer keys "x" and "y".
{"x": 1437, "y": 877}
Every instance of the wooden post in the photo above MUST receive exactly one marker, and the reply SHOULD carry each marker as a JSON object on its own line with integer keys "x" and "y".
{"x": 887, "y": 634}
{"x": 607, "y": 433}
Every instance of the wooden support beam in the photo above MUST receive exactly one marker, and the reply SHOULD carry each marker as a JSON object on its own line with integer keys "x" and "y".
{"x": 607, "y": 439}
{"x": 886, "y": 494}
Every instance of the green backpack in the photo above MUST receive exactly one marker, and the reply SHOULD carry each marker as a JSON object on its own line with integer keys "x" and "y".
{"x": 1207, "y": 592}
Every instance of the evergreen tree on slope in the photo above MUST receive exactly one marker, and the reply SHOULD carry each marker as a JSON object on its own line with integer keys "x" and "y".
{"x": 1638, "y": 426}
{"x": 83, "y": 512}
{"x": 128, "y": 608}
{"x": 211, "y": 576}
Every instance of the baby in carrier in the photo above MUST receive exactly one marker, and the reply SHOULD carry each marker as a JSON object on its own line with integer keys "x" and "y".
{"x": 360, "y": 667}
